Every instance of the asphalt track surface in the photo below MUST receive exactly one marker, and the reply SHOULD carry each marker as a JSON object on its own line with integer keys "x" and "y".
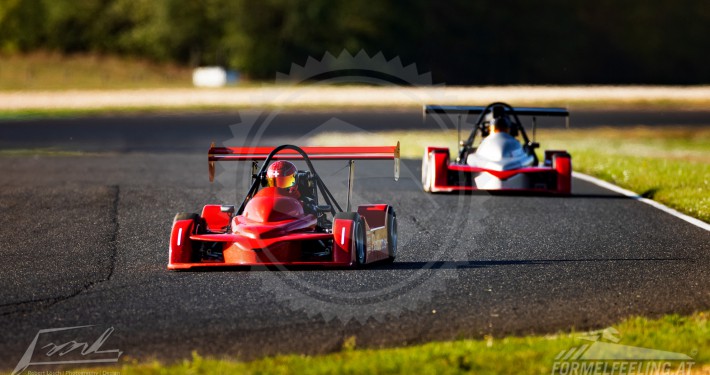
{"x": 84, "y": 241}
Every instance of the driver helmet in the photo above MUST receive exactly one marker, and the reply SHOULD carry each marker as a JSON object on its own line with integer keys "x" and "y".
{"x": 500, "y": 125}
{"x": 281, "y": 174}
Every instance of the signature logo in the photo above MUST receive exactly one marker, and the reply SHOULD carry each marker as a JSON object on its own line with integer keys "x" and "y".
{"x": 604, "y": 354}
{"x": 73, "y": 351}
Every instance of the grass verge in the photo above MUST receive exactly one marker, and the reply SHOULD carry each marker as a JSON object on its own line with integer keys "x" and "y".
{"x": 670, "y": 164}
{"x": 40, "y": 152}
{"x": 688, "y": 335}
{"x": 53, "y": 71}
{"x": 32, "y": 114}
{"x": 169, "y": 99}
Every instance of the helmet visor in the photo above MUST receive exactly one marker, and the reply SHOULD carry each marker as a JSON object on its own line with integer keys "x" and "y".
{"x": 281, "y": 182}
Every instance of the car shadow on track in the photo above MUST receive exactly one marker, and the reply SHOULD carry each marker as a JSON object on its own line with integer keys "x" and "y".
{"x": 599, "y": 196}
{"x": 493, "y": 263}
{"x": 537, "y": 194}
{"x": 433, "y": 265}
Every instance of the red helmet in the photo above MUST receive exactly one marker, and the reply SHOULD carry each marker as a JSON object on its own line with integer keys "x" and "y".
{"x": 281, "y": 174}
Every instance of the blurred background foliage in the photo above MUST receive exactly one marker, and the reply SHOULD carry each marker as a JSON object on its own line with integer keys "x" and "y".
{"x": 459, "y": 41}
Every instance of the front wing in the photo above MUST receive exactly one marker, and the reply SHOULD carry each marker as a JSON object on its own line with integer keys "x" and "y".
{"x": 439, "y": 175}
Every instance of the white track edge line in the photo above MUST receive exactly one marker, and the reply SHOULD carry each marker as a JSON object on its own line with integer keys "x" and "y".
{"x": 606, "y": 185}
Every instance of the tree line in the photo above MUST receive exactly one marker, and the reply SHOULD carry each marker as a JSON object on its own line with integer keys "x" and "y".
{"x": 459, "y": 41}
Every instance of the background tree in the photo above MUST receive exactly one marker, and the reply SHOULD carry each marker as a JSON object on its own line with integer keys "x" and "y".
{"x": 459, "y": 41}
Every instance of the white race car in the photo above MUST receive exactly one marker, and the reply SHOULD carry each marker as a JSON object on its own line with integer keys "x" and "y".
{"x": 500, "y": 162}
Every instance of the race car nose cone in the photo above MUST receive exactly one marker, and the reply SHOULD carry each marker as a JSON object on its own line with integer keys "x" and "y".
{"x": 269, "y": 206}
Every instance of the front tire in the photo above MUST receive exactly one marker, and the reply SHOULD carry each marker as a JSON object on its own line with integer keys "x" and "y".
{"x": 357, "y": 235}
{"x": 193, "y": 254}
{"x": 196, "y": 220}
{"x": 186, "y": 216}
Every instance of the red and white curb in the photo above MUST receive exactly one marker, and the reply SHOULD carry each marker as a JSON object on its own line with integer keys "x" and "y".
{"x": 698, "y": 223}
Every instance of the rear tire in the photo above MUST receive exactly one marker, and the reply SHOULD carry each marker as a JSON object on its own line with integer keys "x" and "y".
{"x": 426, "y": 172}
{"x": 359, "y": 243}
{"x": 562, "y": 163}
{"x": 391, "y": 235}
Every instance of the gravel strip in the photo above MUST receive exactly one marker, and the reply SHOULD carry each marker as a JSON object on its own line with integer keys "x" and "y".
{"x": 303, "y": 96}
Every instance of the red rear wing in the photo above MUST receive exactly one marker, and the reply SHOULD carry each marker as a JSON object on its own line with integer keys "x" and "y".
{"x": 314, "y": 153}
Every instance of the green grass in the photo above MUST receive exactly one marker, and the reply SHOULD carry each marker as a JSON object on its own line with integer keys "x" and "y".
{"x": 670, "y": 165}
{"x": 41, "y": 152}
{"x": 42, "y": 113}
{"x": 689, "y": 335}
{"x": 29, "y": 114}
{"x": 48, "y": 71}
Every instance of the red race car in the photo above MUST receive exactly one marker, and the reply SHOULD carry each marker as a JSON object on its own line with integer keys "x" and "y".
{"x": 499, "y": 162}
{"x": 281, "y": 221}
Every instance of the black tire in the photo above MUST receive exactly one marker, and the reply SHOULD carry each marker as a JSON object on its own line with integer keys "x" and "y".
{"x": 391, "y": 234}
{"x": 358, "y": 236}
{"x": 426, "y": 172}
{"x": 186, "y": 216}
{"x": 196, "y": 219}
